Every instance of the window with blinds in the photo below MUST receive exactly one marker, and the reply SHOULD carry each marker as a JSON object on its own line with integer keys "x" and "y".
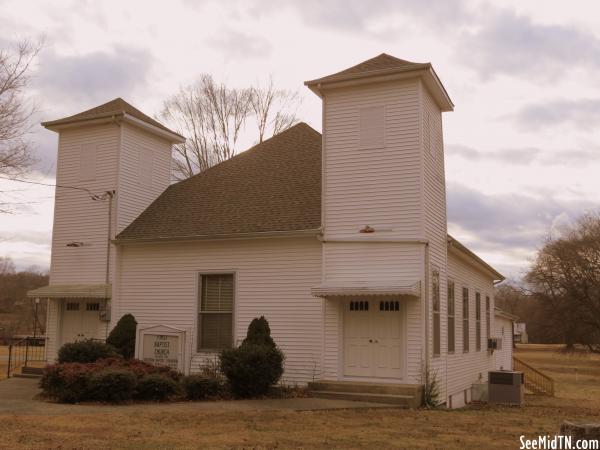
{"x": 478, "y": 321}
{"x": 465, "y": 303}
{"x": 488, "y": 318}
{"x": 435, "y": 287}
{"x": 451, "y": 335}
{"x": 215, "y": 321}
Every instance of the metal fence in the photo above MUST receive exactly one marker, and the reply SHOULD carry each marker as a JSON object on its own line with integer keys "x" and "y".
{"x": 26, "y": 352}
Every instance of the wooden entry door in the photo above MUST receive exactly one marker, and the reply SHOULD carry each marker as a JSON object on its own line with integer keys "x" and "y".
{"x": 80, "y": 320}
{"x": 373, "y": 344}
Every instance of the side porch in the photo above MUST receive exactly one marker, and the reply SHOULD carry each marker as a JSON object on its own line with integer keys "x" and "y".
{"x": 75, "y": 312}
{"x": 372, "y": 347}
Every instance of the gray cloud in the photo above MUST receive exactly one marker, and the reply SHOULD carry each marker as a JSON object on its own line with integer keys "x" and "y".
{"x": 526, "y": 155}
{"x": 508, "y": 156}
{"x": 583, "y": 114}
{"x": 241, "y": 45}
{"x": 509, "y": 223}
{"x": 92, "y": 77}
{"x": 511, "y": 44}
{"x": 357, "y": 15}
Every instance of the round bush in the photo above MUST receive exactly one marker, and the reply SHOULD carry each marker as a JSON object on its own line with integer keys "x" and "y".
{"x": 259, "y": 333}
{"x": 87, "y": 351}
{"x": 122, "y": 336}
{"x": 156, "y": 387}
{"x": 68, "y": 382}
{"x": 112, "y": 385}
{"x": 252, "y": 369}
{"x": 200, "y": 387}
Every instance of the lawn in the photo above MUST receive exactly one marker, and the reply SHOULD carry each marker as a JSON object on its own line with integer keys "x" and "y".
{"x": 3, "y": 361}
{"x": 578, "y": 397}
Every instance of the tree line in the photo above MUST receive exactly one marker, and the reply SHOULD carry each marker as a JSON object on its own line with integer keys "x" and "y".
{"x": 559, "y": 297}
{"x": 16, "y": 309}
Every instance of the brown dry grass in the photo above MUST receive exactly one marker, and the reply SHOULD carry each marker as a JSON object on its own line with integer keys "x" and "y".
{"x": 3, "y": 361}
{"x": 482, "y": 427}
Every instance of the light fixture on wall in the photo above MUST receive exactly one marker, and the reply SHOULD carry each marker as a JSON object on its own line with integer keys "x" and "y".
{"x": 367, "y": 229}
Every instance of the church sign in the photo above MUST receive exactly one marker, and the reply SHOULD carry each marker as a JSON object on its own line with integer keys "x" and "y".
{"x": 161, "y": 345}
{"x": 161, "y": 350}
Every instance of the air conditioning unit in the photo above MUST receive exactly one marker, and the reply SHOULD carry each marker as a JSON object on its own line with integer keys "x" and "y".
{"x": 494, "y": 344}
{"x": 506, "y": 387}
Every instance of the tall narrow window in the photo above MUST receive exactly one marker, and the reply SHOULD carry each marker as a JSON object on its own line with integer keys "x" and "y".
{"x": 488, "y": 318}
{"x": 435, "y": 291}
{"x": 87, "y": 162}
{"x": 465, "y": 304}
{"x": 146, "y": 166}
{"x": 372, "y": 127}
{"x": 478, "y": 321}
{"x": 451, "y": 336}
{"x": 215, "y": 319}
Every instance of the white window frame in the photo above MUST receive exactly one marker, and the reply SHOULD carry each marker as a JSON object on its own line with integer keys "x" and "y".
{"x": 451, "y": 316}
{"x": 437, "y": 328}
{"x": 466, "y": 326}
{"x": 478, "y": 321}
{"x": 234, "y": 312}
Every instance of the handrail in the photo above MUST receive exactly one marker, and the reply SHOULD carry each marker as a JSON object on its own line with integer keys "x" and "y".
{"x": 24, "y": 351}
{"x": 536, "y": 381}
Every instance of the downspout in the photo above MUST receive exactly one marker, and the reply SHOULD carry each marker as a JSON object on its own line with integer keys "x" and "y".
{"x": 110, "y": 195}
{"x": 426, "y": 307}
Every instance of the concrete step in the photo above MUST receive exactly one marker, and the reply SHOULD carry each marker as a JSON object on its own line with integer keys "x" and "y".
{"x": 367, "y": 388}
{"x": 32, "y": 370}
{"x": 26, "y": 375}
{"x": 392, "y": 399}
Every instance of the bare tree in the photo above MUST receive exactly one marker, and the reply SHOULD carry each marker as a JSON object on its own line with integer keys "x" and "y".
{"x": 15, "y": 114}
{"x": 212, "y": 117}
{"x": 7, "y": 267}
{"x": 565, "y": 275}
{"x": 274, "y": 109}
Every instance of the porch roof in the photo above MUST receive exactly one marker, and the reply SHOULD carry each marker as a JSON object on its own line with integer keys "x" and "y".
{"x": 72, "y": 291}
{"x": 328, "y": 291}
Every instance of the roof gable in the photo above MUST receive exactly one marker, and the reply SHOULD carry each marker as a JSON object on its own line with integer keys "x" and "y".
{"x": 273, "y": 187}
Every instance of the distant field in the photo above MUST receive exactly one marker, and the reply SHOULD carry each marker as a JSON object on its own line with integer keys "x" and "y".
{"x": 576, "y": 375}
{"x": 179, "y": 425}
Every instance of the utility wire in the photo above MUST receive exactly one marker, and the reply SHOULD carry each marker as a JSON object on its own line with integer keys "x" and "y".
{"x": 90, "y": 193}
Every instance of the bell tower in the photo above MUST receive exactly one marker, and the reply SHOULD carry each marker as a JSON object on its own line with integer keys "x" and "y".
{"x": 113, "y": 161}
{"x": 383, "y": 191}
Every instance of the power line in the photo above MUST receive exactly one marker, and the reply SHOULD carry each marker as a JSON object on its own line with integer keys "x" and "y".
{"x": 90, "y": 193}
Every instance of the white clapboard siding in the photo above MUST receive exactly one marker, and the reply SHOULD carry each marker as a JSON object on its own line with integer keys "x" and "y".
{"x": 144, "y": 172}
{"x": 466, "y": 368}
{"x": 372, "y": 264}
{"x": 376, "y": 185}
{"x": 434, "y": 214}
{"x": 503, "y": 357}
{"x": 78, "y": 218}
{"x": 157, "y": 285}
{"x": 52, "y": 329}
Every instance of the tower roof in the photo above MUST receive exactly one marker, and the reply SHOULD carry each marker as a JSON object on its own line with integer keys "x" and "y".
{"x": 114, "y": 108}
{"x": 381, "y": 68}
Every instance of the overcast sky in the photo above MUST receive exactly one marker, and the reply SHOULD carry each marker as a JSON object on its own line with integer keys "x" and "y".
{"x": 522, "y": 146}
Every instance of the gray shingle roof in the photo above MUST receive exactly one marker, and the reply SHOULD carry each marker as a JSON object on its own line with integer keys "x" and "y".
{"x": 116, "y": 107}
{"x": 381, "y": 64}
{"x": 274, "y": 186}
